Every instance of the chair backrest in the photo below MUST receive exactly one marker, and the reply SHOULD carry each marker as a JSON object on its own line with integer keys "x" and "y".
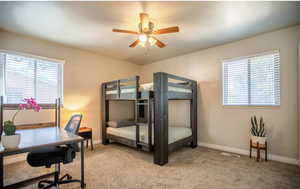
{"x": 73, "y": 124}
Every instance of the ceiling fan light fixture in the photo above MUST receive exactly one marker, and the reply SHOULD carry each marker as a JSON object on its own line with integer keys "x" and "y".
{"x": 152, "y": 41}
{"x": 143, "y": 38}
{"x": 142, "y": 44}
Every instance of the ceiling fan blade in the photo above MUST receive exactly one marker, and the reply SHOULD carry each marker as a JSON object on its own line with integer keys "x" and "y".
{"x": 159, "y": 43}
{"x": 125, "y": 31}
{"x": 135, "y": 43}
{"x": 167, "y": 30}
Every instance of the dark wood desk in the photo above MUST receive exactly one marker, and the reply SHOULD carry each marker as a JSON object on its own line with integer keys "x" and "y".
{"x": 32, "y": 139}
{"x": 87, "y": 134}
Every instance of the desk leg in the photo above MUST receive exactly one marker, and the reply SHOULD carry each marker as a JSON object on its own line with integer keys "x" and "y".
{"x": 92, "y": 147}
{"x": 1, "y": 172}
{"x": 82, "y": 164}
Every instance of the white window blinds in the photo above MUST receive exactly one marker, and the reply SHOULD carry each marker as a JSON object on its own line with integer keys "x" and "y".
{"x": 252, "y": 80}
{"x": 47, "y": 81}
{"x": 25, "y": 77}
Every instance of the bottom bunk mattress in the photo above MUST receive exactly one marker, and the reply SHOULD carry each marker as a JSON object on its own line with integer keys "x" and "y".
{"x": 175, "y": 133}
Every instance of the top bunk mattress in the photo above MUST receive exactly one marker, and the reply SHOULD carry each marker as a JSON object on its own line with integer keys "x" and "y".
{"x": 175, "y": 133}
{"x": 149, "y": 87}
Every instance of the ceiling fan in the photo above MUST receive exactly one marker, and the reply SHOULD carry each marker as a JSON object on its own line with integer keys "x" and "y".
{"x": 146, "y": 32}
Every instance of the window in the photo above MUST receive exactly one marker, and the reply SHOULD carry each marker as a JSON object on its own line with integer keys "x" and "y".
{"x": 24, "y": 77}
{"x": 252, "y": 80}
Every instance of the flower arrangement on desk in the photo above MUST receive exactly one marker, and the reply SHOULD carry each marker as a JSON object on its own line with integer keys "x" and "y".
{"x": 11, "y": 139}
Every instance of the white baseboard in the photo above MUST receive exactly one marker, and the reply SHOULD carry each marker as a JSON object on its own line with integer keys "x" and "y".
{"x": 240, "y": 151}
{"x": 97, "y": 141}
{"x": 246, "y": 152}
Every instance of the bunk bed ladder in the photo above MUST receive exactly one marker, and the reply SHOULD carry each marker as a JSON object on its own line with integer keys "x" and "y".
{"x": 148, "y": 103}
{"x": 136, "y": 114}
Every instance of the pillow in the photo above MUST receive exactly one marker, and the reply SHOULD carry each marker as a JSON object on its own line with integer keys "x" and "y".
{"x": 146, "y": 87}
{"x": 120, "y": 123}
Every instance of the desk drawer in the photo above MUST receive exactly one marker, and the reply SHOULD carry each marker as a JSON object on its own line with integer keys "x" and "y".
{"x": 86, "y": 135}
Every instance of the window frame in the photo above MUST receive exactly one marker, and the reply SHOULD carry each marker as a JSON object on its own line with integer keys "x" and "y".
{"x": 248, "y": 57}
{"x": 61, "y": 75}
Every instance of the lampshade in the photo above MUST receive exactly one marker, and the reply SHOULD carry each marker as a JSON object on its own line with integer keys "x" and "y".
{"x": 75, "y": 113}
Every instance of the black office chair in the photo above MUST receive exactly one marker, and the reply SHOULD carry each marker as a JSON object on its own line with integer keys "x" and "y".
{"x": 55, "y": 155}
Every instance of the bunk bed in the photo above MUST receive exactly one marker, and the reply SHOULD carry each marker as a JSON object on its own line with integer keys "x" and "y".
{"x": 151, "y": 101}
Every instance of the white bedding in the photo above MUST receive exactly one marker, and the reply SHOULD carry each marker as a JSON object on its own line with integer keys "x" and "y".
{"x": 149, "y": 87}
{"x": 132, "y": 90}
{"x": 175, "y": 133}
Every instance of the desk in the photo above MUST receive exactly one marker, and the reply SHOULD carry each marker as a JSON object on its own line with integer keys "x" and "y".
{"x": 32, "y": 139}
{"x": 87, "y": 134}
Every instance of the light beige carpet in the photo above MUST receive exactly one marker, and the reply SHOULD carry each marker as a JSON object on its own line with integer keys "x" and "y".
{"x": 120, "y": 167}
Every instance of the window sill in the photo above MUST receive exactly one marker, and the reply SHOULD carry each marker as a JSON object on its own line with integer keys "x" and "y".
{"x": 35, "y": 125}
{"x": 16, "y": 106}
{"x": 251, "y": 106}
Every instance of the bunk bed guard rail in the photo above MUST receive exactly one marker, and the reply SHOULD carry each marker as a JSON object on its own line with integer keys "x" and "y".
{"x": 122, "y": 89}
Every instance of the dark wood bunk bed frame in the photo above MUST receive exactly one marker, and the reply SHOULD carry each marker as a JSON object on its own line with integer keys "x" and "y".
{"x": 159, "y": 99}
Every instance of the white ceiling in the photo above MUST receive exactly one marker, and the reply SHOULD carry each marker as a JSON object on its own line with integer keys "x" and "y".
{"x": 88, "y": 25}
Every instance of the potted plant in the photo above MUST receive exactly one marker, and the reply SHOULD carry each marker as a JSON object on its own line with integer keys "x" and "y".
{"x": 11, "y": 139}
{"x": 258, "y": 132}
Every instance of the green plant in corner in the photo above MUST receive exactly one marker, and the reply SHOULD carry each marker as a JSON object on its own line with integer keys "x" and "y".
{"x": 258, "y": 128}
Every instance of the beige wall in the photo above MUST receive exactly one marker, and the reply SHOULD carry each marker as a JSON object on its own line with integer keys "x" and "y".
{"x": 229, "y": 126}
{"x": 83, "y": 74}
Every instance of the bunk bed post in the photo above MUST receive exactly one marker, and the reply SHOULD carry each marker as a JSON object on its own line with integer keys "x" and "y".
{"x": 161, "y": 118}
{"x": 193, "y": 115}
{"x": 137, "y": 86}
{"x": 104, "y": 113}
{"x": 118, "y": 88}
{"x": 150, "y": 123}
